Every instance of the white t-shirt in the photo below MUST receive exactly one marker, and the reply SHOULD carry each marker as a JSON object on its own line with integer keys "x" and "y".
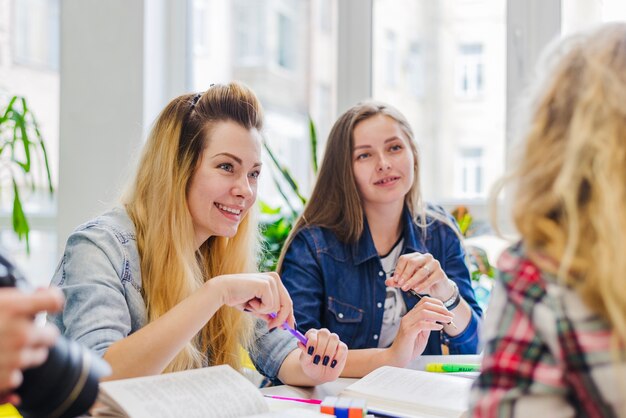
{"x": 395, "y": 308}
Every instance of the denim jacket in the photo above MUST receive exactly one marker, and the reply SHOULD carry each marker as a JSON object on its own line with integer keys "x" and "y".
{"x": 100, "y": 275}
{"x": 342, "y": 287}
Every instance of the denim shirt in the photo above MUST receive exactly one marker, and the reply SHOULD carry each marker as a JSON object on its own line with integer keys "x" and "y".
{"x": 342, "y": 287}
{"x": 100, "y": 276}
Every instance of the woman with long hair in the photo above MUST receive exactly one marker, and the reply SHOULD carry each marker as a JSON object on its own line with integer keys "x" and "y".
{"x": 555, "y": 336}
{"x": 369, "y": 260}
{"x": 161, "y": 283}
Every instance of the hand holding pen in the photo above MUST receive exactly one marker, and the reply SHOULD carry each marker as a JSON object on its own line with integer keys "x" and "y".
{"x": 423, "y": 274}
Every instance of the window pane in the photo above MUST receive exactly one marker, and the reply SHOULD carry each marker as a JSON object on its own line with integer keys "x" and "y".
{"x": 443, "y": 65}
{"x": 29, "y": 67}
{"x": 285, "y": 50}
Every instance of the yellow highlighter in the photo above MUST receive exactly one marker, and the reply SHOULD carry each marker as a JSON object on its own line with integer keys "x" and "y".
{"x": 452, "y": 367}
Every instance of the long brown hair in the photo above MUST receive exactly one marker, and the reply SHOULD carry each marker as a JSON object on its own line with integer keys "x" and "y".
{"x": 335, "y": 202}
{"x": 570, "y": 180}
{"x": 171, "y": 267}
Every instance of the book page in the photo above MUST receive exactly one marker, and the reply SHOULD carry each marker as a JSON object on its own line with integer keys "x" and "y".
{"x": 201, "y": 393}
{"x": 413, "y": 391}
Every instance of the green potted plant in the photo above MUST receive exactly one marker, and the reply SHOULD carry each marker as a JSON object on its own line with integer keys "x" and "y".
{"x": 276, "y": 223}
{"x": 22, "y": 148}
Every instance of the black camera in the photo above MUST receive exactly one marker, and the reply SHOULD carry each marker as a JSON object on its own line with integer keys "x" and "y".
{"x": 66, "y": 384}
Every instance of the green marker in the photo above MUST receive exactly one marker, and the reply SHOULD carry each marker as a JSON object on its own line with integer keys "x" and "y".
{"x": 452, "y": 367}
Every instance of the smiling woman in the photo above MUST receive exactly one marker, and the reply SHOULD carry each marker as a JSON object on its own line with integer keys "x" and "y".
{"x": 161, "y": 283}
{"x": 224, "y": 186}
{"x": 369, "y": 260}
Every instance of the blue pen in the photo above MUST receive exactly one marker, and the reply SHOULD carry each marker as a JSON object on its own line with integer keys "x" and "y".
{"x": 292, "y": 331}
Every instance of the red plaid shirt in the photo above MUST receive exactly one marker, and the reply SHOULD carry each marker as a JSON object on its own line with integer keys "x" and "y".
{"x": 546, "y": 354}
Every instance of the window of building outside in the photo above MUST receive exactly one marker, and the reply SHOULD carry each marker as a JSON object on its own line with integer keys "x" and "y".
{"x": 415, "y": 70}
{"x": 391, "y": 59}
{"x": 29, "y": 65}
{"x": 453, "y": 51}
{"x": 285, "y": 50}
{"x": 469, "y": 71}
{"x": 470, "y": 176}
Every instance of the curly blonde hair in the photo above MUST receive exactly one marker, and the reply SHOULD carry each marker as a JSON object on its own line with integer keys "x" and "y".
{"x": 569, "y": 178}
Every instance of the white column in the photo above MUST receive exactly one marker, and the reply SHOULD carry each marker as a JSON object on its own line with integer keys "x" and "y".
{"x": 101, "y": 105}
{"x": 354, "y": 61}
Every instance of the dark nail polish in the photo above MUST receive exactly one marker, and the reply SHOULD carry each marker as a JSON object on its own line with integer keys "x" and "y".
{"x": 272, "y": 330}
{"x": 325, "y": 361}
{"x": 316, "y": 359}
{"x": 246, "y": 310}
{"x": 311, "y": 350}
{"x": 333, "y": 364}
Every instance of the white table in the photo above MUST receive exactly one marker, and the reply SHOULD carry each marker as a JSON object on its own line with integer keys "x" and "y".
{"x": 334, "y": 388}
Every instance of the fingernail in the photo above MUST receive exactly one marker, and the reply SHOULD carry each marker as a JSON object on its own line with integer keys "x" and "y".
{"x": 325, "y": 361}
{"x": 246, "y": 310}
{"x": 333, "y": 364}
{"x": 272, "y": 330}
{"x": 316, "y": 359}
{"x": 310, "y": 350}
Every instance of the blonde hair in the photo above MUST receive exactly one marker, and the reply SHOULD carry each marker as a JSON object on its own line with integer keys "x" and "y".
{"x": 171, "y": 267}
{"x": 570, "y": 179}
{"x": 335, "y": 202}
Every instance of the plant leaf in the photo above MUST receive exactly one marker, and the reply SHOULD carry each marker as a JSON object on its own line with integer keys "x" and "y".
{"x": 313, "y": 137}
{"x": 20, "y": 223}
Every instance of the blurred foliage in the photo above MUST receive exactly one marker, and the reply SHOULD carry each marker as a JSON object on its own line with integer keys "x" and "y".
{"x": 479, "y": 262}
{"x": 21, "y": 148}
{"x": 276, "y": 222}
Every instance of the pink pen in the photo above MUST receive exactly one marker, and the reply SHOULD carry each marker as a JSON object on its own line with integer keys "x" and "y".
{"x": 292, "y": 331}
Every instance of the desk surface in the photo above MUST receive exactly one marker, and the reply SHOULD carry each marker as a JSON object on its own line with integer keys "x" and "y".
{"x": 334, "y": 388}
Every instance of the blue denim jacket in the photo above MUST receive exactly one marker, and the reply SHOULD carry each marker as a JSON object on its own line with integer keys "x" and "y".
{"x": 342, "y": 287}
{"x": 100, "y": 275}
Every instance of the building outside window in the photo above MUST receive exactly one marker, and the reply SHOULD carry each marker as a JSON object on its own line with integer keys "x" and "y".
{"x": 470, "y": 173}
{"x": 453, "y": 53}
{"x": 469, "y": 78}
{"x": 288, "y": 57}
{"x": 391, "y": 59}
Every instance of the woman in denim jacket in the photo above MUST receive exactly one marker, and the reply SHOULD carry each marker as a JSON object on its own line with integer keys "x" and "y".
{"x": 160, "y": 284}
{"x": 369, "y": 260}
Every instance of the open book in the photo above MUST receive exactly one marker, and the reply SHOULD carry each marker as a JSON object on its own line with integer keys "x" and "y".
{"x": 201, "y": 393}
{"x": 412, "y": 393}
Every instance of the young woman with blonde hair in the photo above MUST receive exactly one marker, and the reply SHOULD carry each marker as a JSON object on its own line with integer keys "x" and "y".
{"x": 364, "y": 221}
{"x": 160, "y": 283}
{"x": 556, "y": 329}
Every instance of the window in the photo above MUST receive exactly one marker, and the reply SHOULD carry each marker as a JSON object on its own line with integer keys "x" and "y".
{"x": 199, "y": 31}
{"x": 469, "y": 77}
{"x": 36, "y": 33}
{"x": 29, "y": 44}
{"x": 286, "y": 42}
{"x": 391, "y": 59}
{"x": 249, "y": 39}
{"x": 470, "y": 173}
{"x": 288, "y": 58}
{"x": 453, "y": 53}
{"x": 415, "y": 70}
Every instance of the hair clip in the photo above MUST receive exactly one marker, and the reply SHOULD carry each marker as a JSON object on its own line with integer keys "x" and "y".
{"x": 195, "y": 100}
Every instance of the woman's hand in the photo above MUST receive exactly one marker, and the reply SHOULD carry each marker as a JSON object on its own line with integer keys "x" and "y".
{"x": 423, "y": 274}
{"x": 324, "y": 356}
{"x": 257, "y": 293}
{"x": 23, "y": 344}
{"x": 415, "y": 327}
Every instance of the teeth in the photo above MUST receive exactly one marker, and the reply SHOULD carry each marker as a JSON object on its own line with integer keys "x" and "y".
{"x": 387, "y": 180}
{"x": 227, "y": 209}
